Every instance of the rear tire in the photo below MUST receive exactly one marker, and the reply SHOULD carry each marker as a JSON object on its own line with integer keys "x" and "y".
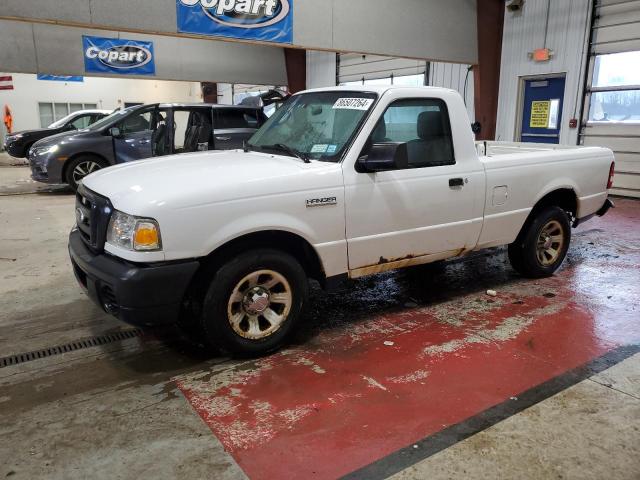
{"x": 542, "y": 244}
{"x": 253, "y": 302}
{"x": 80, "y": 167}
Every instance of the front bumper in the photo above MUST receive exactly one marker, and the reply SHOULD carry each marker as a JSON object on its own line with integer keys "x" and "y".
{"x": 42, "y": 169}
{"x": 142, "y": 295}
{"x": 15, "y": 148}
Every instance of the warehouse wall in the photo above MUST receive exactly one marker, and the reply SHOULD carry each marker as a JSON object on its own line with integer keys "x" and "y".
{"x": 107, "y": 93}
{"x": 57, "y": 49}
{"x": 454, "y": 76}
{"x": 321, "y": 69}
{"x": 406, "y": 28}
{"x": 566, "y": 36}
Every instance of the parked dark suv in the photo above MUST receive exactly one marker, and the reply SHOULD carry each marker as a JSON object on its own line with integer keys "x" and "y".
{"x": 140, "y": 132}
{"x": 17, "y": 144}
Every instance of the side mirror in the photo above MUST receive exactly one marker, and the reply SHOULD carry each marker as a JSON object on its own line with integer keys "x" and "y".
{"x": 384, "y": 156}
{"x": 70, "y": 127}
{"x": 115, "y": 132}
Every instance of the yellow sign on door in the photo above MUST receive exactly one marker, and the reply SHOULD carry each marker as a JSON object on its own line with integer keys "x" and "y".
{"x": 540, "y": 114}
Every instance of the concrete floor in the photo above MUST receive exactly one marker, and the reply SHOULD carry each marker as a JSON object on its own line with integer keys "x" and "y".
{"x": 542, "y": 381}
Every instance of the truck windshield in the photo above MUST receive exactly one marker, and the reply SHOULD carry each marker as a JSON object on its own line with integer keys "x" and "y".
{"x": 315, "y": 125}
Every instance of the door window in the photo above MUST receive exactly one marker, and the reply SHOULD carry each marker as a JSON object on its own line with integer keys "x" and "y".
{"x": 82, "y": 121}
{"x": 137, "y": 122}
{"x": 423, "y": 124}
{"x": 237, "y": 118}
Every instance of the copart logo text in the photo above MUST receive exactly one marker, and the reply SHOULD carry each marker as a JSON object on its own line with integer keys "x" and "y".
{"x": 243, "y": 13}
{"x": 121, "y": 56}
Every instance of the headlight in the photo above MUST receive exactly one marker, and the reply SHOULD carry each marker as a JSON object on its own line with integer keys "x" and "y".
{"x": 45, "y": 150}
{"x": 13, "y": 138}
{"x": 133, "y": 233}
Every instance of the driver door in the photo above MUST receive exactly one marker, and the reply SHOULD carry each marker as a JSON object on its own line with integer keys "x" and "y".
{"x": 137, "y": 135}
{"x": 430, "y": 209}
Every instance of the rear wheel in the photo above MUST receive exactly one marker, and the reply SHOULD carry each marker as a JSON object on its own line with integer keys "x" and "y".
{"x": 542, "y": 245}
{"x": 82, "y": 166}
{"x": 254, "y": 302}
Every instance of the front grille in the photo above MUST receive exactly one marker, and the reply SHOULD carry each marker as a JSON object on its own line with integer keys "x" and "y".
{"x": 93, "y": 212}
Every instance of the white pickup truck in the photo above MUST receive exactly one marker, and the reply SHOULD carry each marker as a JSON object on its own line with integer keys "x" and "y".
{"x": 339, "y": 183}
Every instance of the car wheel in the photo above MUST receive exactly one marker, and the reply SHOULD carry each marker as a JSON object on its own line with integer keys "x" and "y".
{"x": 542, "y": 245}
{"x": 80, "y": 167}
{"x": 253, "y": 302}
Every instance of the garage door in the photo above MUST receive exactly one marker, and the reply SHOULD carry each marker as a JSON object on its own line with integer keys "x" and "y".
{"x": 612, "y": 100}
{"x": 356, "y": 68}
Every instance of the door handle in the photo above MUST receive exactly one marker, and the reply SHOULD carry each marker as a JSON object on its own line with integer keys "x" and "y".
{"x": 456, "y": 182}
{"x": 223, "y": 139}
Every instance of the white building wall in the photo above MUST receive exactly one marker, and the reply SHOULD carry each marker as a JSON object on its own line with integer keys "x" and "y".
{"x": 567, "y": 36}
{"x": 321, "y": 69}
{"x": 454, "y": 76}
{"x": 107, "y": 93}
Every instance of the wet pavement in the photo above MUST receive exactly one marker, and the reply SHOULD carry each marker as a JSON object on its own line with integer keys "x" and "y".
{"x": 384, "y": 365}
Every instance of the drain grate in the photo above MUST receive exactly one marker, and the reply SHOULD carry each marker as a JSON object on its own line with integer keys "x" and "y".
{"x": 69, "y": 347}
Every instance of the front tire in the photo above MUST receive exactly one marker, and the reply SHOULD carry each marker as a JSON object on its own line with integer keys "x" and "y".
{"x": 542, "y": 245}
{"x": 254, "y": 302}
{"x": 82, "y": 166}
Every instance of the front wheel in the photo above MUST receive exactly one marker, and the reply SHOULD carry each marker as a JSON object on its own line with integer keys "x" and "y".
{"x": 254, "y": 302}
{"x": 542, "y": 245}
{"x": 80, "y": 167}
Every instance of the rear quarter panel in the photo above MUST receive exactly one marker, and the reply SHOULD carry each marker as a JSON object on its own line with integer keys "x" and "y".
{"x": 527, "y": 177}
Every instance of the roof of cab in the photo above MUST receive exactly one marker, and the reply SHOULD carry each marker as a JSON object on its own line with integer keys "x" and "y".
{"x": 379, "y": 89}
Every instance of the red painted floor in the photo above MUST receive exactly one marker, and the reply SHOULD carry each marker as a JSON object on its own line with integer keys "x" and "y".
{"x": 342, "y": 398}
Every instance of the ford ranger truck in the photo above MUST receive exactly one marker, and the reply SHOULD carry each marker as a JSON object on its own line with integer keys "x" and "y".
{"x": 339, "y": 183}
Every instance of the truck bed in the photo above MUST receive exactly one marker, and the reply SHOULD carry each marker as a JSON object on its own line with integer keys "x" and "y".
{"x": 493, "y": 148}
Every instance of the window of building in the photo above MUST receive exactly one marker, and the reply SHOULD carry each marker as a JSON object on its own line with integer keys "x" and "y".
{"x": 615, "y": 89}
{"x": 50, "y": 112}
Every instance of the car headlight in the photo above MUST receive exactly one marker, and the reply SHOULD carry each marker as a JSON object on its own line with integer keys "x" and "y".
{"x": 13, "y": 138}
{"x": 45, "y": 150}
{"x": 134, "y": 233}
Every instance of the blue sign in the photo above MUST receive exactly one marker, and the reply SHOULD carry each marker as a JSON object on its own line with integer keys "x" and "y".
{"x": 118, "y": 56}
{"x": 61, "y": 78}
{"x": 263, "y": 20}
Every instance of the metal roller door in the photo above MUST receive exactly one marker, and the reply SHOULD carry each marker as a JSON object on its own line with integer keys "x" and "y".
{"x": 612, "y": 97}
{"x": 355, "y": 67}
{"x": 373, "y": 69}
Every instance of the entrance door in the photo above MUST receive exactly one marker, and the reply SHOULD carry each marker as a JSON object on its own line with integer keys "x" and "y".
{"x": 542, "y": 110}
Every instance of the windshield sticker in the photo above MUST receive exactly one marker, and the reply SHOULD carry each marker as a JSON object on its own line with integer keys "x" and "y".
{"x": 353, "y": 103}
{"x": 332, "y": 148}
{"x": 319, "y": 148}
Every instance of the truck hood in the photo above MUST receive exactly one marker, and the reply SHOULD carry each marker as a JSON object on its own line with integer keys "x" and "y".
{"x": 204, "y": 178}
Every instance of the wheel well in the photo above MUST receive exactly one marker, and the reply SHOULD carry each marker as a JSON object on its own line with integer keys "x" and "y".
{"x": 82, "y": 154}
{"x": 286, "y": 242}
{"x": 565, "y": 198}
